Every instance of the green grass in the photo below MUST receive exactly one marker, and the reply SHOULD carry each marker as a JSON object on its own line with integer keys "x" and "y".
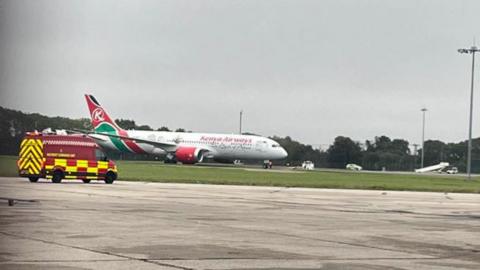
{"x": 158, "y": 172}
{"x": 8, "y": 166}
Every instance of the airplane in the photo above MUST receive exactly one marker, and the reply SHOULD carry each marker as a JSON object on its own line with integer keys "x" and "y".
{"x": 187, "y": 148}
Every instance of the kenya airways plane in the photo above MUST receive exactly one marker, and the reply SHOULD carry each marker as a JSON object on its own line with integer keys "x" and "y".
{"x": 187, "y": 148}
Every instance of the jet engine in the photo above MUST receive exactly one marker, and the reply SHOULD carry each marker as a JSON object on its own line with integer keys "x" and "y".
{"x": 189, "y": 155}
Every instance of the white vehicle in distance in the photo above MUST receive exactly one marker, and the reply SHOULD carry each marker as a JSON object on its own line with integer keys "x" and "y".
{"x": 452, "y": 170}
{"x": 308, "y": 165}
{"x": 353, "y": 167}
{"x": 238, "y": 162}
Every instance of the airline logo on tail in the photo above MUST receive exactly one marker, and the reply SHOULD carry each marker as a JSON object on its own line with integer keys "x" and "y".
{"x": 100, "y": 120}
{"x": 97, "y": 115}
{"x": 102, "y": 123}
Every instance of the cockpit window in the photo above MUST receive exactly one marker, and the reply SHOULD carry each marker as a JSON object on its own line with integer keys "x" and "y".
{"x": 275, "y": 145}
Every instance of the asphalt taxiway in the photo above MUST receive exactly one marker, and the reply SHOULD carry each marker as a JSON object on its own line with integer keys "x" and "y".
{"x": 138, "y": 225}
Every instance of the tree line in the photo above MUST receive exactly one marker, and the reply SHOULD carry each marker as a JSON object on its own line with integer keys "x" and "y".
{"x": 379, "y": 153}
{"x": 130, "y": 124}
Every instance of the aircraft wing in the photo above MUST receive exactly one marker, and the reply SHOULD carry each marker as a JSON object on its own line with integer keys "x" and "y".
{"x": 169, "y": 147}
{"x": 87, "y": 133}
{"x": 166, "y": 146}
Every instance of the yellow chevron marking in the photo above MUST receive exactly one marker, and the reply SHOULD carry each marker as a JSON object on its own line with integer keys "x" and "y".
{"x": 27, "y": 144}
{"x": 35, "y": 154}
{"x": 38, "y": 149}
{"x": 36, "y": 162}
{"x": 26, "y": 160}
{"x": 22, "y": 162}
{"x": 22, "y": 151}
{"x": 31, "y": 168}
{"x": 31, "y": 155}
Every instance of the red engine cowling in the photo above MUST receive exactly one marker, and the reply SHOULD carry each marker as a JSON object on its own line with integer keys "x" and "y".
{"x": 189, "y": 155}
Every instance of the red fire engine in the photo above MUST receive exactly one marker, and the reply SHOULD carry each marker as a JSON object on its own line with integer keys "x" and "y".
{"x": 60, "y": 157}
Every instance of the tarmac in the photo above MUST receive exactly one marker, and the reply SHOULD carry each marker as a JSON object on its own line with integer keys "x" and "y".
{"x": 139, "y": 225}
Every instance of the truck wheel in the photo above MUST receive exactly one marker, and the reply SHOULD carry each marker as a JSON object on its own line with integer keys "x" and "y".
{"x": 57, "y": 176}
{"x": 110, "y": 177}
{"x": 86, "y": 181}
{"x": 33, "y": 179}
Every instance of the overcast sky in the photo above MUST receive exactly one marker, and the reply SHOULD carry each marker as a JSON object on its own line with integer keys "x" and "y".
{"x": 309, "y": 69}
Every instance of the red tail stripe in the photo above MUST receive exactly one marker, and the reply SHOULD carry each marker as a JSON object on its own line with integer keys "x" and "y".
{"x": 99, "y": 115}
{"x": 132, "y": 145}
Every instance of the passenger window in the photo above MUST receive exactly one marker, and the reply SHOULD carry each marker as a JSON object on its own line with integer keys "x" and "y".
{"x": 99, "y": 155}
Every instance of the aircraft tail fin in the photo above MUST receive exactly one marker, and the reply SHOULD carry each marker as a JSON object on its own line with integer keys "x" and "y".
{"x": 101, "y": 121}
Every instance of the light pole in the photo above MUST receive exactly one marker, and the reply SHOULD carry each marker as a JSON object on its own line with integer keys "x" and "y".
{"x": 415, "y": 154}
{"x": 240, "y": 129}
{"x": 472, "y": 50}
{"x": 423, "y": 135}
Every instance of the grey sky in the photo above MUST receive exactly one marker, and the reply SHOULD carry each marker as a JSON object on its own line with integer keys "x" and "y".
{"x": 309, "y": 69}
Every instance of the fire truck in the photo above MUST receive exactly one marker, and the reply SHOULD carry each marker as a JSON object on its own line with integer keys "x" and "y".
{"x": 59, "y": 157}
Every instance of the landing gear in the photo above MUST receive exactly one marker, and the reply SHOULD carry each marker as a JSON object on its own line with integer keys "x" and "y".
{"x": 170, "y": 159}
{"x": 267, "y": 164}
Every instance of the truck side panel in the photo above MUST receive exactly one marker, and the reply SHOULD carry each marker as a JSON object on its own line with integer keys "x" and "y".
{"x": 79, "y": 169}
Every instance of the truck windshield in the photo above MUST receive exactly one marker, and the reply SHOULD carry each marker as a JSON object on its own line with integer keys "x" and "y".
{"x": 100, "y": 155}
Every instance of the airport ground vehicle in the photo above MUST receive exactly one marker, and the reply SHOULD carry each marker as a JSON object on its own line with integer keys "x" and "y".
{"x": 353, "y": 167}
{"x": 308, "y": 165}
{"x": 452, "y": 170}
{"x": 267, "y": 164}
{"x": 60, "y": 157}
{"x": 434, "y": 168}
{"x": 442, "y": 167}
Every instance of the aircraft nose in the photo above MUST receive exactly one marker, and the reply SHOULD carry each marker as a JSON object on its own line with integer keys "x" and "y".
{"x": 283, "y": 153}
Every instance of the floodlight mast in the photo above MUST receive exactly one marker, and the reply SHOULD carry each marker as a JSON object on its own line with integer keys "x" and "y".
{"x": 241, "y": 115}
{"x": 423, "y": 136}
{"x": 472, "y": 51}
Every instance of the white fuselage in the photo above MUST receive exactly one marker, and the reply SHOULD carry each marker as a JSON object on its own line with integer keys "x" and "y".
{"x": 219, "y": 146}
